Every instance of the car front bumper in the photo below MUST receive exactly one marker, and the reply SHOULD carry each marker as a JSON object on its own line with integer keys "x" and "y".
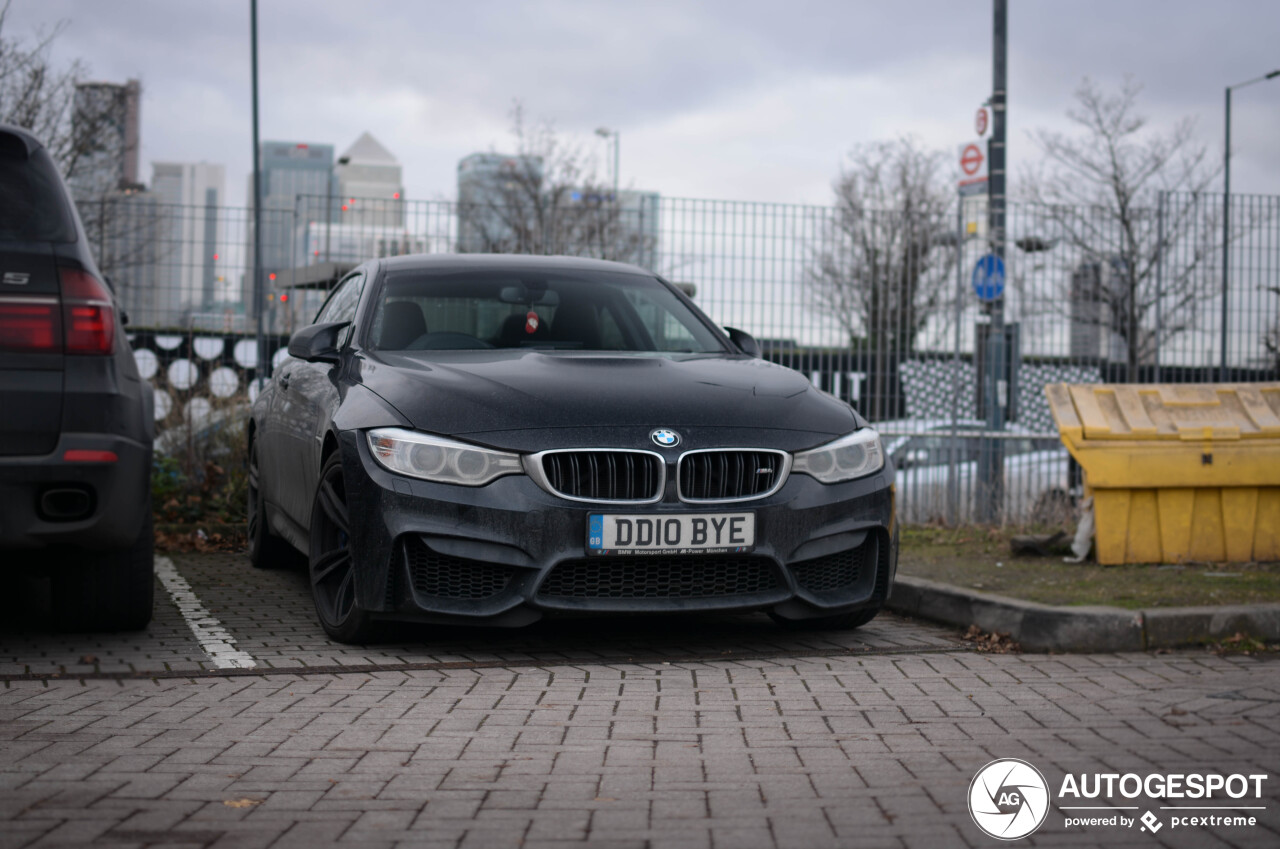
{"x": 509, "y": 553}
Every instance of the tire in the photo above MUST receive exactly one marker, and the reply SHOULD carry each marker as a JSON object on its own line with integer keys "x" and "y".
{"x": 331, "y": 567}
{"x": 112, "y": 591}
{"x": 840, "y": 622}
{"x": 266, "y": 550}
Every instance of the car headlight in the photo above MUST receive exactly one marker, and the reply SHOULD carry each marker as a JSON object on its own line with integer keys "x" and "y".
{"x": 434, "y": 458}
{"x": 853, "y": 456}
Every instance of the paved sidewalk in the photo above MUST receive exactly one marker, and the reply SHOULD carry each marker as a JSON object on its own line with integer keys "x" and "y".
{"x": 828, "y": 740}
{"x": 271, "y": 617}
{"x": 874, "y": 751}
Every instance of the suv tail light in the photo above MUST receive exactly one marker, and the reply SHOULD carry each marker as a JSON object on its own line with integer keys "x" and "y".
{"x": 30, "y": 324}
{"x": 88, "y": 317}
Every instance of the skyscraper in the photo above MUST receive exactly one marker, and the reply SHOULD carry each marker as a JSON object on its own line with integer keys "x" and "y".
{"x": 191, "y": 193}
{"x": 369, "y": 172}
{"x": 297, "y": 179}
{"x": 367, "y": 216}
{"x": 105, "y": 130}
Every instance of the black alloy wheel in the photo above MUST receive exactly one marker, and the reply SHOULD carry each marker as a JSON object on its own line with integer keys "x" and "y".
{"x": 266, "y": 550}
{"x": 333, "y": 569}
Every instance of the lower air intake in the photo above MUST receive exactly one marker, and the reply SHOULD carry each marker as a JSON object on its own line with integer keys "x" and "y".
{"x": 659, "y": 577}
{"x": 832, "y": 573}
{"x": 442, "y": 576}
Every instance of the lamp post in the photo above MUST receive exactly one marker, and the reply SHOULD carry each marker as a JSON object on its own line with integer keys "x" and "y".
{"x": 328, "y": 205}
{"x": 604, "y": 133}
{"x": 1226, "y": 217}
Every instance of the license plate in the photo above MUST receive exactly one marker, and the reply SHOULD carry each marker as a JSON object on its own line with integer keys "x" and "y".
{"x": 678, "y": 533}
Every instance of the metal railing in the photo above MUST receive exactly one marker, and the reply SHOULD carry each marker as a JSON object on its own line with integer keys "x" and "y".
{"x": 876, "y": 308}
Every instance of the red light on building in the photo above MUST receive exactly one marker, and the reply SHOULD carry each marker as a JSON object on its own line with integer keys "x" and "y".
{"x": 284, "y": 297}
{"x": 396, "y": 196}
{"x": 271, "y": 276}
{"x": 215, "y": 257}
{"x": 344, "y": 207}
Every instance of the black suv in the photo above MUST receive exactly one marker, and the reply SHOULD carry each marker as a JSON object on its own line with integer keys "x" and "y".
{"x": 76, "y": 425}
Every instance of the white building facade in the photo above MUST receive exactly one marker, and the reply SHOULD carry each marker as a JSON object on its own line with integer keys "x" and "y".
{"x": 191, "y": 194}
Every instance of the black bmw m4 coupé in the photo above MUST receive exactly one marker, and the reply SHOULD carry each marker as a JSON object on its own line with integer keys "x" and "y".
{"x": 492, "y": 439}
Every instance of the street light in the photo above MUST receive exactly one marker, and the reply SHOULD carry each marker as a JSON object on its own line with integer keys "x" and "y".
{"x": 1226, "y": 216}
{"x": 328, "y": 204}
{"x": 604, "y": 133}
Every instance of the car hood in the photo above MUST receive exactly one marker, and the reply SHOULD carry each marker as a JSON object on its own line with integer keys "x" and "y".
{"x": 488, "y": 394}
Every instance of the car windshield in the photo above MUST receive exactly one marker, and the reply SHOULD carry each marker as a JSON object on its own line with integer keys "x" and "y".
{"x": 587, "y": 311}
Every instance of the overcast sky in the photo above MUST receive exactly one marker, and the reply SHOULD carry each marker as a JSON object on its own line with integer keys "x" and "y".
{"x": 743, "y": 100}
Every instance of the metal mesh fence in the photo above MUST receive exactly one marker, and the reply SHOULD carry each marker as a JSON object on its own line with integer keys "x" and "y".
{"x": 874, "y": 306}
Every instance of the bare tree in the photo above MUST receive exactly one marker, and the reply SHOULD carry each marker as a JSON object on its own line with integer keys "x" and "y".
{"x": 547, "y": 199}
{"x": 82, "y": 126}
{"x": 40, "y": 97}
{"x": 1100, "y": 192}
{"x": 881, "y": 268}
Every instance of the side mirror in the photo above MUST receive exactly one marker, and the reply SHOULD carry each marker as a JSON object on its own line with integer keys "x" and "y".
{"x": 744, "y": 340}
{"x": 317, "y": 343}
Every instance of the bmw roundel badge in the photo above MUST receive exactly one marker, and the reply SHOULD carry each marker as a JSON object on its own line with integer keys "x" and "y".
{"x": 664, "y": 438}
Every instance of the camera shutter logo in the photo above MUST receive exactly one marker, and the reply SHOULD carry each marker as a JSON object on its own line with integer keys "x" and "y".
{"x": 1008, "y": 799}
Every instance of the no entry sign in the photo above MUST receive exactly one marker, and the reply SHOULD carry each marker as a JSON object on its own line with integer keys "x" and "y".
{"x": 973, "y": 168}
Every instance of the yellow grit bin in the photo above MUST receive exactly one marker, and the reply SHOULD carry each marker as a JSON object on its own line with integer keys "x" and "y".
{"x": 1178, "y": 472}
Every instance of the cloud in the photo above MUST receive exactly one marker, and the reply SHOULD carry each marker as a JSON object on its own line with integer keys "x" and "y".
{"x": 751, "y": 100}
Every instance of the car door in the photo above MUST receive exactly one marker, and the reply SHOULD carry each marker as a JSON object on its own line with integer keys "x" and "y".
{"x": 308, "y": 395}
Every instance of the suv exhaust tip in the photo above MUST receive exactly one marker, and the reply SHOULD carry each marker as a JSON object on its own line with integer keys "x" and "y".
{"x": 65, "y": 504}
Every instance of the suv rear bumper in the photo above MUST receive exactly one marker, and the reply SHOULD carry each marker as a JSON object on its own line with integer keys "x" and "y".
{"x": 118, "y": 495}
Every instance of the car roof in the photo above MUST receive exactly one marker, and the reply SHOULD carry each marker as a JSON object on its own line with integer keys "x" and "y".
{"x": 30, "y": 142}
{"x": 506, "y": 262}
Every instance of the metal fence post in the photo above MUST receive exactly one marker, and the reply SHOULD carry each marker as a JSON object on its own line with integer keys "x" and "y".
{"x": 1159, "y": 334}
{"x": 953, "y": 478}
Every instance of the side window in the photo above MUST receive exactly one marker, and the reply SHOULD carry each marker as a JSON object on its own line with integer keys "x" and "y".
{"x": 341, "y": 305}
{"x": 669, "y": 332}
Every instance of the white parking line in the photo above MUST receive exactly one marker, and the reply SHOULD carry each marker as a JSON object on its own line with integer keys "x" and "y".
{"x": 216, "y": 641}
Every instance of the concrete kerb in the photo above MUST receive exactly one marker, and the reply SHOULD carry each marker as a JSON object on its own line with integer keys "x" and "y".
{"x": 1043, "y": 627}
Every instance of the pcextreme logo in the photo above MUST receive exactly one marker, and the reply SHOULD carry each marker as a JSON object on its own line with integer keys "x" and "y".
{"x": 1010, "y": 799}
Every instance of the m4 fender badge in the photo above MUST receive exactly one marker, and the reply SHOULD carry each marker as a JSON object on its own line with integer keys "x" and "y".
{"x": 17, "y": 278}
{"x": 664, "y": 437}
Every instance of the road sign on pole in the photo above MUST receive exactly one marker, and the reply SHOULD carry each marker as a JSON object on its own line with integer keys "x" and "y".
{"x": 988, "y": 277}
{"x": 973, "y": 168}
{"x": 981, "y": 120}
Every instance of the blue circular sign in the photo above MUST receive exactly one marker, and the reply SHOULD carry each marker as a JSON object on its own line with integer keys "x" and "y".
{"x": 988, "y": 277}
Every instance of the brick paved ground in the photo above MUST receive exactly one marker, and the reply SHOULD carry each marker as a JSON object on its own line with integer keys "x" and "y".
{"x": 864, "y": 739}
